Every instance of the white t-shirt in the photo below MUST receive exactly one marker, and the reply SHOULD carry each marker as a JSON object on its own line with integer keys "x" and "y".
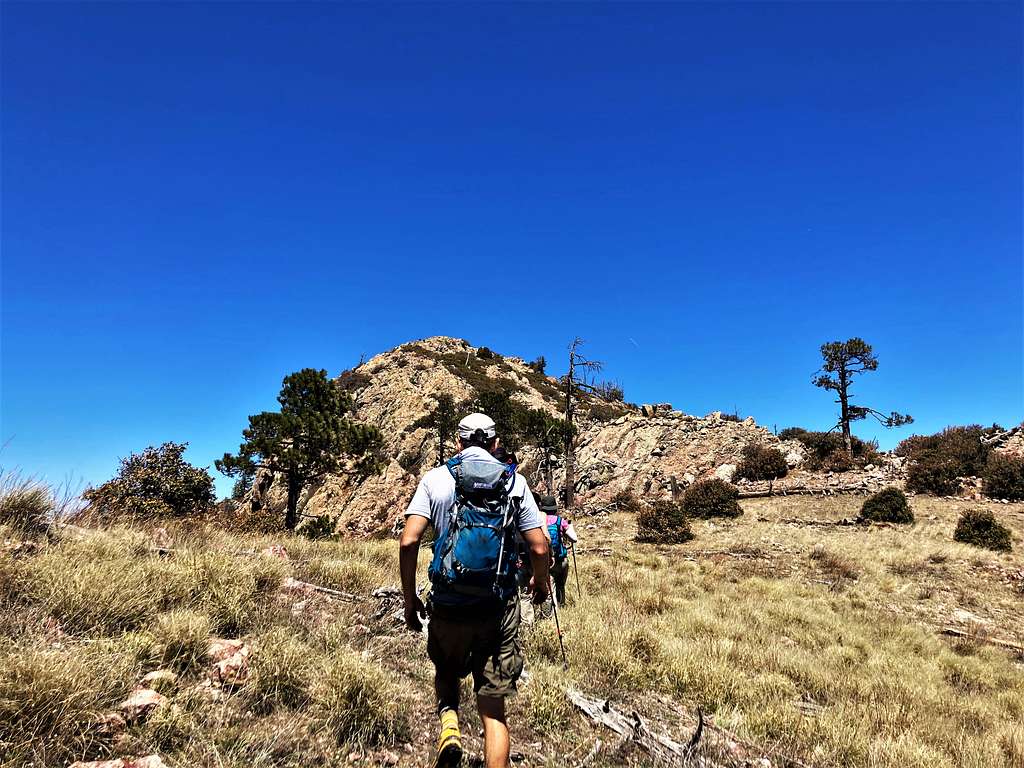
{"x": 435, "y": 497}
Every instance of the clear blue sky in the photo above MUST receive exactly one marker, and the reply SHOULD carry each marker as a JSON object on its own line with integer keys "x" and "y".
{"x": 200, "y": 198}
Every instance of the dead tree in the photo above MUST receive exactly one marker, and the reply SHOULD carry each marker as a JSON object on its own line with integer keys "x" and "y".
{"x": 575, "y": 384}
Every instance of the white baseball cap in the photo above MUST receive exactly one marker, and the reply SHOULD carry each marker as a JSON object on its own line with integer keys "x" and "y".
{"x": 477, "y": 421}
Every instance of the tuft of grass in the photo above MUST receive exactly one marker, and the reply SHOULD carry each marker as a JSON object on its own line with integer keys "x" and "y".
{"x": 92, "y": 587}
{"x": 181, "y": 638}
{"x": 835, "y": 565}
{"x": 26, "y": 505}
{"x": 283, "y": 668}
{"x": 50, "y": 700}
{"x": 360, "y": 703}
{"x": 546, "y": 707}
{"x": 348, "y": 575}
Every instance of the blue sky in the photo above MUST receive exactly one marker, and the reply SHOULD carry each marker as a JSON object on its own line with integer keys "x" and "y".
{"x": 200, "y": 198}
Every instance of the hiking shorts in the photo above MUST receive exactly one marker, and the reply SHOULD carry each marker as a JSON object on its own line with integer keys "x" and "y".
{"x": 487, "y": 646}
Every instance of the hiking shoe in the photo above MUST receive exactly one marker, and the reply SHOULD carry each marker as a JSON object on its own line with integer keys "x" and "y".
{"x": 449, "y": 743}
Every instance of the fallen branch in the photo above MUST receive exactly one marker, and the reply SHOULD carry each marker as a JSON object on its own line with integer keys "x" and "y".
{"x": 954, "y": 632}
{"x": 802, "y": 490}
{"x": 295, "y": 584}
{"x": 632, "y": 728}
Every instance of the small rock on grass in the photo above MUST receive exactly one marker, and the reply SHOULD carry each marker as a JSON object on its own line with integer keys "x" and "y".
{"x": 148, "y": 761}
{"x": 140, "y": 704}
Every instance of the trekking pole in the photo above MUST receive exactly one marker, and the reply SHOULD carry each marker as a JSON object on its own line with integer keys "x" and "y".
{"x": 558, "y": 627}
{"x": 576, "y": 571}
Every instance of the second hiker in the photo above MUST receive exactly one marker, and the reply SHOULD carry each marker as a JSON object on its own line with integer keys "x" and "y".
{"x": 562, "y": 535}
{"x": 476, "y": 505}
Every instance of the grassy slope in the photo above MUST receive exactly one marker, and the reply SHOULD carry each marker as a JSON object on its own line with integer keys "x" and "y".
{"x": 819, "y": 643}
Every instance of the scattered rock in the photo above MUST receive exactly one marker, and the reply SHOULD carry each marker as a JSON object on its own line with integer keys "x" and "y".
{"x": 159, "y": 680}
{"x": 726, "y": 472}
{"x": 148, "y": 761}
{"x": 140, "y": 704}
{"x": 230, "y": 662}
{"x": 276, "y": 550}
{"x": 110, "y": 724}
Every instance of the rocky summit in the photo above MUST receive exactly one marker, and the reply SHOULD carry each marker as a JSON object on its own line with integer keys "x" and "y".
{"x": 620, "y": 447}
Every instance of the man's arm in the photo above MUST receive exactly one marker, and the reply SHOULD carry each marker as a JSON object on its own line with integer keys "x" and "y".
{"x": 540, "y": 556}
{"x": 408, "y": 553}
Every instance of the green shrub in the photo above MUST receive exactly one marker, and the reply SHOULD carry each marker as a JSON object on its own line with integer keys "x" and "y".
{"x": 319, "y": 528}
{"x": 485, "y": 354}
{"x": 538, "y": 365}
{"x": 760, "y": 462}
{"x": 824, "y": 449}
{"x": 887, "y": 506}
{"x": 935, "y": 474}
{"x": 980, "y": 528}
{"x": 626, "y": 501}
{"x": 711, "y": 498}
{"x": 662, "y": 522}
{"x": 939, "y": 461}
{"x": 155, "y": 483}
{"x": 1003, "y": 477}
{"x": 360, "y": 703}
{"x": 960, "y": 445}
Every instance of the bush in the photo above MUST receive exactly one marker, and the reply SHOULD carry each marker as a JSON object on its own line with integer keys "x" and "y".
{"x": 980, "y": 528}
{"x": 662, "y": 522}
{"x": 762, "y": 463}
{"x": 711, "y": 498}
{"x": 939, "y": 461}
{"x": 538, "y": 365}
{"x": 319, "y": 528}
{"x": 961, "y": 445}
{"x": 936, "y": 475}
{"x": 610, "y": 391}
{"x": 485, "y": 354}
{"x": 626, "y": 501}
{"x": 887, "y": 506}
{"x": 825, "y": 450}
{"x": 155, "y": 483}
{"x": 1003, "y": 477}
{"x": 360, "y": 703}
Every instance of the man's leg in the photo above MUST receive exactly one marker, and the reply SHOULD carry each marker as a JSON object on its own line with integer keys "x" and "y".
{"x": 496, "y": 742}
{"x": 446, "y": 649}
{"x": 560, "y": 573}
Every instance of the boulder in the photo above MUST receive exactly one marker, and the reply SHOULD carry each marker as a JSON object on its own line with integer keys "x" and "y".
{"x": 726, "y": 472}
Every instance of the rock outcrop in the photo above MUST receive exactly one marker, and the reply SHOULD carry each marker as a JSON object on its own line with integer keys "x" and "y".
{"x": 620, "y": 446}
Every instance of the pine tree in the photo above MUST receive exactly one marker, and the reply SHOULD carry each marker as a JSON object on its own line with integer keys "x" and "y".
{"x": 841, "y": 361}
{"x": 310, "y": 436}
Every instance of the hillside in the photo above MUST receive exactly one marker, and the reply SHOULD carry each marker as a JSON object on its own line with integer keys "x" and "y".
{"x": 804, "y": 643}
{"x": 620, "y": 446}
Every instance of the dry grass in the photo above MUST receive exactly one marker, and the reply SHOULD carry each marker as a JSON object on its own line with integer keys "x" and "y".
{"x": 747, "y": 621}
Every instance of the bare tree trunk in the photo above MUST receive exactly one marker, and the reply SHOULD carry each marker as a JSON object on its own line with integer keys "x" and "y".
{"x": 570, "y": 458}
{"x": 291, "y": 518}
{"x": 844, "y": 417}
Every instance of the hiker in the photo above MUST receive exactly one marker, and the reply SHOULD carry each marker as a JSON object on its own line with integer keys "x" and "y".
{"x": 473, "y": 603}
{"x": 562, "y": 535}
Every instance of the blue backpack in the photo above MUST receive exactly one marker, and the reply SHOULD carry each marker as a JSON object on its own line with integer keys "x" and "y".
{"x": 476, "y": 560}
{"x": 558, "y": 548}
